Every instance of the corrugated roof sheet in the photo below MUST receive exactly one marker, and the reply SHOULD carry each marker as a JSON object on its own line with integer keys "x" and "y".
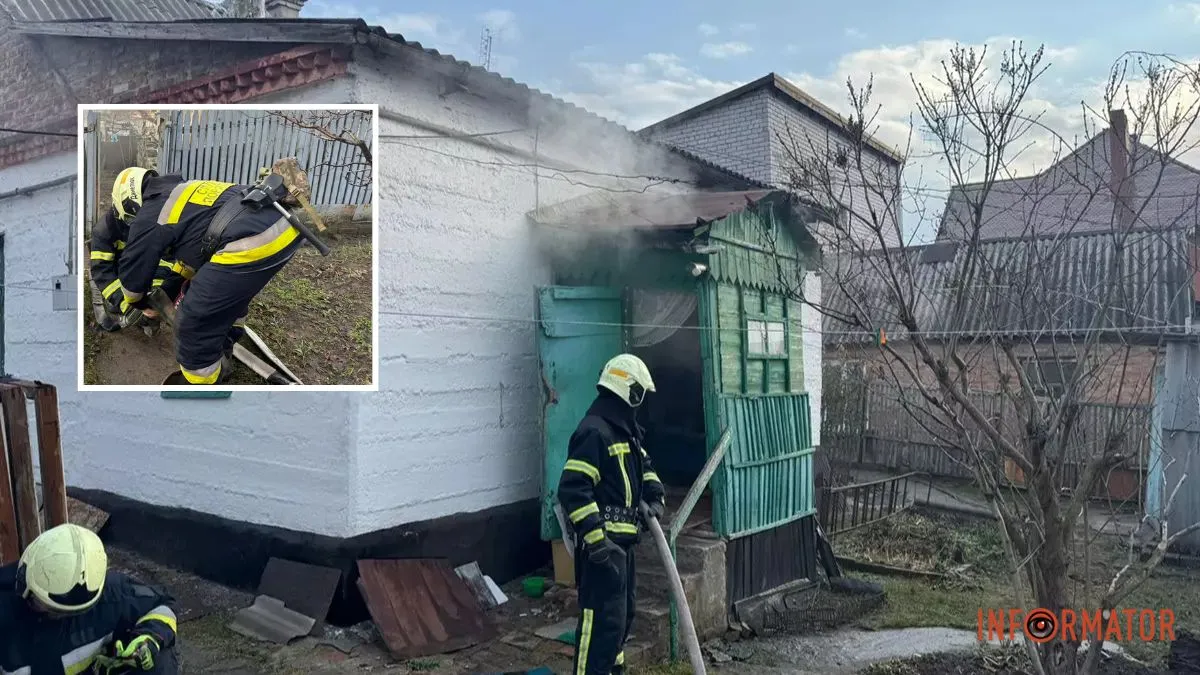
{"x": 648, "y": 210}
{"x": 112, "y": 10}
{"x": 1073, "y": 196}
{"x": 1020, "y": 287}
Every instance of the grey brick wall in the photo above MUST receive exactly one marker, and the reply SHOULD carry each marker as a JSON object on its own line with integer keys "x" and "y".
{"x": 734, "y": 136}
{"x": 42, "y": 79}
{"x": 810, "y": 136}
{"x": 744, "y": 135}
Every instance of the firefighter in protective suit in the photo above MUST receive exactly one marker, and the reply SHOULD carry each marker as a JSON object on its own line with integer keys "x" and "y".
{"x": 62, "y": 610}
{"x": 607, "y": 475}
{"x": 108, "y": 241}
{"x": 227, "y": 251}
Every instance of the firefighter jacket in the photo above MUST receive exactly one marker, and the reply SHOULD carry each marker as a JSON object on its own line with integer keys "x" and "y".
{"x": 173, "y": 221}
{"x": 32, "y": 643}
{"x": 108, "y": 242}
{"x": 607, "y": 473}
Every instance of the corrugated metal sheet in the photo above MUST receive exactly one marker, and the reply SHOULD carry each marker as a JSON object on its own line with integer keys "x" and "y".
{"x": 648, "y": 210}
{"x": 1019, "y": 287}
{"x": 1074, "y": 196}
{"x": 231, "y": 145}
{"x": 422, "y": 607}
{"x": 114, "y": 10}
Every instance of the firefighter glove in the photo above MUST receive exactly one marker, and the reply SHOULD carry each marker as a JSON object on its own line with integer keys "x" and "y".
{"x": 606, "y": 554}
{"x": 656, "y": 509}
{"x": 139, "y": 652}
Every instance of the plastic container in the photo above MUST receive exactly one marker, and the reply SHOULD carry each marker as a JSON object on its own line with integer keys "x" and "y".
{"x": 534, "y": 587}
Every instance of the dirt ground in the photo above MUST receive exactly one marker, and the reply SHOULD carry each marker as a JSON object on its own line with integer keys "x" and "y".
{"x": 992, "y": 661}
{"x": 315, "y": 315}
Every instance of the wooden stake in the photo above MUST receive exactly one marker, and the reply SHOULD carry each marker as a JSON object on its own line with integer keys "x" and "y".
{"x": 10, "y": 545}
{"x": 54, "y": 482}
{"x": 20, "y": 461}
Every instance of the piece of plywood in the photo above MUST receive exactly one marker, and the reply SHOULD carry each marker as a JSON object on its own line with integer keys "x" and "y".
{"x": 564, "y": 565}
{"x": 421, "y": 607}
{"x": 85, "y": 515}
{"x": 304, "y": 588}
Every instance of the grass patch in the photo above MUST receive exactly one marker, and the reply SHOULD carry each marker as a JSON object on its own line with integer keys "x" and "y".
{"x": 664, "y": 669}
{"x": 927, "y": 543}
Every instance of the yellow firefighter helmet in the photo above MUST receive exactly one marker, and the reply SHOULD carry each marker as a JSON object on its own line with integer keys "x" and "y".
{"x": 628, "y": 377}
{"x": 127, "y": 191}
{"x": 63, "y": 569}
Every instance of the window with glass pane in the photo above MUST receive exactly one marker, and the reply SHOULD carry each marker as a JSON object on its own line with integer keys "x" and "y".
{"x": 776, "y": 339}
{"x": 766, "y": 338}
{"x": 756, "y": 337}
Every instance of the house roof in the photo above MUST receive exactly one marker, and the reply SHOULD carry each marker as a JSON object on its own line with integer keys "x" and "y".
{"x": 111, "y": 10}
{"x": 1022, "y": 287}
{"x": 1073, "y": 196}
{"x": 787, "y": 89}
{"x": 304, "y": 31}
{"x": 652, "y": 211}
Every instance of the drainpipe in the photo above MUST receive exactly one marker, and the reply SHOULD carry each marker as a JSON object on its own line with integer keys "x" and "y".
{"x": 30, "y": 189}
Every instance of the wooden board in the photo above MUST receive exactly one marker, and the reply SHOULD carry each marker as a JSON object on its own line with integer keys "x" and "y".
{"x": 421, "y": 607}
{"x": 20, "y": 463}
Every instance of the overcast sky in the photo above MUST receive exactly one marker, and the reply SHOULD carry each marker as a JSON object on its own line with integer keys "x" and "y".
{"x": 638, "y": 62}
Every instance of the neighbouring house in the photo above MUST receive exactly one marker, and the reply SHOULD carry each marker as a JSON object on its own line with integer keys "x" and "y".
{"x": 755, "y": 128}
{"x": 1087, "y": 267}
{"x": 477, "y": 174}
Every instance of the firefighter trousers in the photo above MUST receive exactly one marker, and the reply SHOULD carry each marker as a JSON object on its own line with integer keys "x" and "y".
{"x": 213, "y": 312}
{"x": 606, "y": 609}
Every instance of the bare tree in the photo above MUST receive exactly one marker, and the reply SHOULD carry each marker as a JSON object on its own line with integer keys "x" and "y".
{"x": 337, "y": 129}
{"x": 1000, "y": 346}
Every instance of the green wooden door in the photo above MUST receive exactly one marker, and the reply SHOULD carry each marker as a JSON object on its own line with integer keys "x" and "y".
{"x": 579, "y": 330}
{"x": 766, "y": 479}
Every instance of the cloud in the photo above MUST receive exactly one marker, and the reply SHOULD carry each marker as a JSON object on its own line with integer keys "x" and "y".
{"x": 707, "y": 29}
{"x": 642, "y": 92}
{"x": 725, "y": 50}
{"x": 1185, "y": 10}
{"x": 855, "y": 34}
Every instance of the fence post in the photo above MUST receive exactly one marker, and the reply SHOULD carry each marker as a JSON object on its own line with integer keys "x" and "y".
{"x": 864, "y": 415}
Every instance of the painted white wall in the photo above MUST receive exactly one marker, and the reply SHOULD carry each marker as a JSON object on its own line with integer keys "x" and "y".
{"x": 455, "y": 426}
{"x": 276, "y": 459}
{"x": 810, "y": 319}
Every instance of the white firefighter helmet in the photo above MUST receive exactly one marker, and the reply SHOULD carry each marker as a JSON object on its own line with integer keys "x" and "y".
{"x": 127, "y": 191}
{"x": 628, "y": 377}
{"x": 63, "y": 569}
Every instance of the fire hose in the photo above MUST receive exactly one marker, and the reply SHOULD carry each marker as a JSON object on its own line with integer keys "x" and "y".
{"x": 686, "y": 626}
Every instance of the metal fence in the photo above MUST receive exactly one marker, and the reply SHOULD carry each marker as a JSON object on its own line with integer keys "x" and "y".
{"x": 232, "y": 145}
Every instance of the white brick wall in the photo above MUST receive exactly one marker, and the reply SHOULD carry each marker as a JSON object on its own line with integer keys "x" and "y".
{"x": 456, "y": 425}
{"x": 278, "y": 459}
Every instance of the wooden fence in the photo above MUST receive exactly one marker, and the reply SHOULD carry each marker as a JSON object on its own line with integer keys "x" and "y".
{"x": 876, "y": 423}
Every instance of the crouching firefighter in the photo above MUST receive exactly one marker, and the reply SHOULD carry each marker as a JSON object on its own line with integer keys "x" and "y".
{"x": 63, "y": 611}
{"x": 607, "y": 475}
{"x": 108, "y": 241}
{"x": 228, "y": 241}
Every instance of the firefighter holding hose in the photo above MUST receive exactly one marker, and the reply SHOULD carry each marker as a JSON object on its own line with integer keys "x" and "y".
{"x": 228, "y": 248}
{"x": 607, "y": 475}
{"x": 63, "y": 610}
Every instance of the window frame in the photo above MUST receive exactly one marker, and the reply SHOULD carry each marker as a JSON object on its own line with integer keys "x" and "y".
{"x": 1035, "y": 369}
{"x": 767, "y": 323}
